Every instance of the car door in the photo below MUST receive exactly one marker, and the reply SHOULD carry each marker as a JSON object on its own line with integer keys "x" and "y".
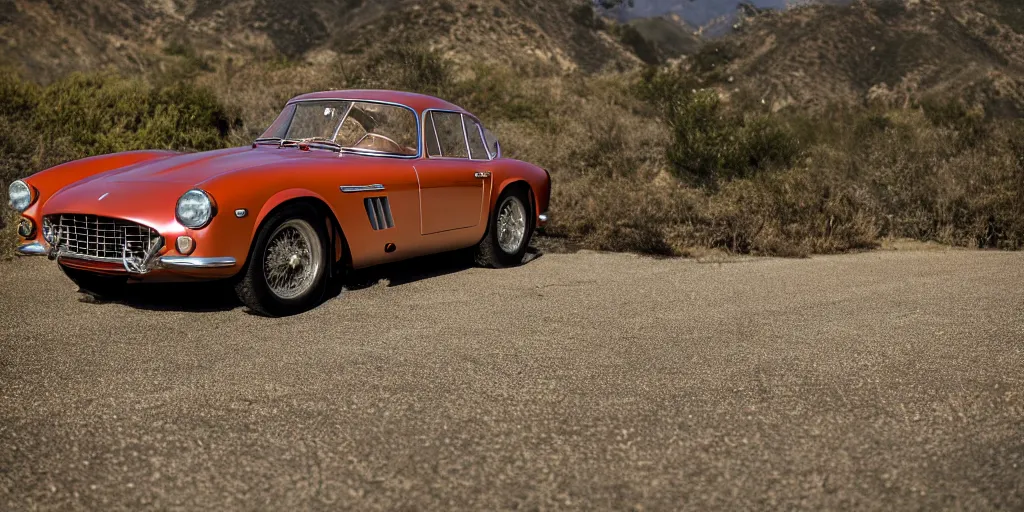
{"x": 455, "y": 177}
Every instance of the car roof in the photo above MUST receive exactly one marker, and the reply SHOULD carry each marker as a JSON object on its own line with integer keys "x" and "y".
{"x": 418, "y": 102}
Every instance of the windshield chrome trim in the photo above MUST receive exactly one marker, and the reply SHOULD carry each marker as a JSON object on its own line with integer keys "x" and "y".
{"x": 344, "y": 117}
{"x": 465, "y": 135}
{"x": 437, "y": 138}
{"x": 419, "y": 129}
{"x": 480, "y": 129}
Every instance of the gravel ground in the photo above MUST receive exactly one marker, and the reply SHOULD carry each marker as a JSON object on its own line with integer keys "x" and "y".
{"x": 883, "y": 380}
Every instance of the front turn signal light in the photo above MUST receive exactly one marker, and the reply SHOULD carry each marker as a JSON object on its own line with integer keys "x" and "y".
{"x": 185, "y": 245}
{"x": 26, "y": 228}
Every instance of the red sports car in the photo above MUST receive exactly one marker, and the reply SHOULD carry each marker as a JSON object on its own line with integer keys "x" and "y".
{"x": 342, "y": 179}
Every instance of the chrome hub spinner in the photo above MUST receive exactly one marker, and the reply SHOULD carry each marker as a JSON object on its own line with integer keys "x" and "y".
{"x": 292, "y": 259}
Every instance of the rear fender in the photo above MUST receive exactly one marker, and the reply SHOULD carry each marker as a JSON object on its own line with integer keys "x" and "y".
{"x": 516, "y": 181}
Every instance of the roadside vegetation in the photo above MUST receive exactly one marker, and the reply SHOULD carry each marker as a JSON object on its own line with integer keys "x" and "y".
{"x": 85, "y": 115}
{"x": 643, "y": 161}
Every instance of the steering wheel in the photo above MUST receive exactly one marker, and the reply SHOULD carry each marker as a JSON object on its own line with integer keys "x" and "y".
{"x": 395, "y": 147}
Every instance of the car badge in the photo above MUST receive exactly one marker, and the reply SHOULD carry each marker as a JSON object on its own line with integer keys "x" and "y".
{"x": 103, "y": 196}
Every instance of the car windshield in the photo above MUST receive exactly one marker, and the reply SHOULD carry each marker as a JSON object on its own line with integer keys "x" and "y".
{"x": 356, "y": 126}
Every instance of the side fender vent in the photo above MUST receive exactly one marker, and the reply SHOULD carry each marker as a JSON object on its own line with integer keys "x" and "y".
{"x": 378, "y": 209}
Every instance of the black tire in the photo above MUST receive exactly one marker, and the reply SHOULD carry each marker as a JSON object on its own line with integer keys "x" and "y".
{"x": 98, "y": 286}
{"x": 253, "y": 288}
{"x": 489, "y": 253}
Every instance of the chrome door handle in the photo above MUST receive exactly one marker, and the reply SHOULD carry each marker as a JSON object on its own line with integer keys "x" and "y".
{"x": 482, "y": 175}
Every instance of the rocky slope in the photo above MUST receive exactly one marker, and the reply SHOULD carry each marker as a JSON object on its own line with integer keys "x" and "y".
{"x": 889, "y": 51}
{"x": 46, "y": 39}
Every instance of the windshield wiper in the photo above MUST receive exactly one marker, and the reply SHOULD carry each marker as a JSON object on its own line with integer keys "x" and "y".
{"x": 321, "y": 141}
{"x": 324, "y": 141}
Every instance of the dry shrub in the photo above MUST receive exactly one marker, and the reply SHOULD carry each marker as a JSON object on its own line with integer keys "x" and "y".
{"x": 924, "y": 182}
{"x": 258, "y": 91}
{"x": 640, "y": 162}
{"x": 621, "y": 214}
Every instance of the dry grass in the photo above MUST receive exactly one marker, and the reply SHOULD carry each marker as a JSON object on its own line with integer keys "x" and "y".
{"x": 618, "y": 154}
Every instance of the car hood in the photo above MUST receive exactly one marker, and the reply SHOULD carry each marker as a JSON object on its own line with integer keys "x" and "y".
{"x": 195, "y": 168}
{"x": 155, "y": 185}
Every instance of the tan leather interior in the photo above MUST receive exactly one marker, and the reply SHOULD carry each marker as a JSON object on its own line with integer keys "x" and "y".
{"x": 375, "y": 142}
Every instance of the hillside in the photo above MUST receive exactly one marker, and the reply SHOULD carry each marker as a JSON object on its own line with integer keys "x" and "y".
{"x": 889, "y": 52}
{"x": 670, "y": 159}
{"x": 672, "y": 35}
{"x": 47, "y": 39}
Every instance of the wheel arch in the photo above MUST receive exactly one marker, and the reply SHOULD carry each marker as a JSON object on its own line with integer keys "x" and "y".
{"x": 340, "y": 253}
{"x": 506, "y": 185}
{"x": 516, "y": 182}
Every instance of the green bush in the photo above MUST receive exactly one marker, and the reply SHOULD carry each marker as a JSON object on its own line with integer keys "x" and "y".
{"x": 712, "y": 145}
{"x": 493, "y": 93}
{"x": 642, "y": 48}
{"x": 711, "y": 60}
{"x": 584, "y": 15}
{"x": 405, "y": 68}
{"x": 85, "y": 115}
{"x": 661, "y": 85}
{"x": 18, "y": 140}
{"x": 951, "y": 113}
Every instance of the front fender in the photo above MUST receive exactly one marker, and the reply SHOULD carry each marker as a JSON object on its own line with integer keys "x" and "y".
{"x": 282, "y": 197}
{"x": 231, "y": 235}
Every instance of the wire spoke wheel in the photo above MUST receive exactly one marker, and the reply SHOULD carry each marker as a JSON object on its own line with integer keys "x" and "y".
{"x": 511, "y": 225}
{"x": 292, "y": 259}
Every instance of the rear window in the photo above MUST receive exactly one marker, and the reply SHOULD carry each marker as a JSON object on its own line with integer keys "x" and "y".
{"x": 477, "y": 149}
{"x": 445, "y": 135}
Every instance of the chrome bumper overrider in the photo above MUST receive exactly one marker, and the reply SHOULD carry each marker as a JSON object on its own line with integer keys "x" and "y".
{"x": 33, "y": 249}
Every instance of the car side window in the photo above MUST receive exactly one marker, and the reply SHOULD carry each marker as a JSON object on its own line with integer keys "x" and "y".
{"x": 430, "y": 135}
{"x": 477, "y": 149}
{"x": 450, "y": 137}
{"x": 493, "y": 147}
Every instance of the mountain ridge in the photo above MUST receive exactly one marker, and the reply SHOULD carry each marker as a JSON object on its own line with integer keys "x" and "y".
{"x": 51, "y": 38}
{"x": 891, "y": 52}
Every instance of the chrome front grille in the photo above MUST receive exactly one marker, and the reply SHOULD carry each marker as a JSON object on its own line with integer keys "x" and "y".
{"x": 100, "y": 238}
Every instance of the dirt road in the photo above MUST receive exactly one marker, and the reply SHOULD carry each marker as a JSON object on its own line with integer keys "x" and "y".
{"x": 888, "y": 380}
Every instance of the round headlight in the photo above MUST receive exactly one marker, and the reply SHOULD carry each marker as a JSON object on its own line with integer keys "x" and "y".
{"x": 195, "y": 209}
{"x": 19, "y": 195}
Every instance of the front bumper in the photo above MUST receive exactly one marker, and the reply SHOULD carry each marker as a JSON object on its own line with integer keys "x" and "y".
{"x": 32, "y": 249}
{"x": 162, "y": 262}
{"x": 190, "y": 263}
